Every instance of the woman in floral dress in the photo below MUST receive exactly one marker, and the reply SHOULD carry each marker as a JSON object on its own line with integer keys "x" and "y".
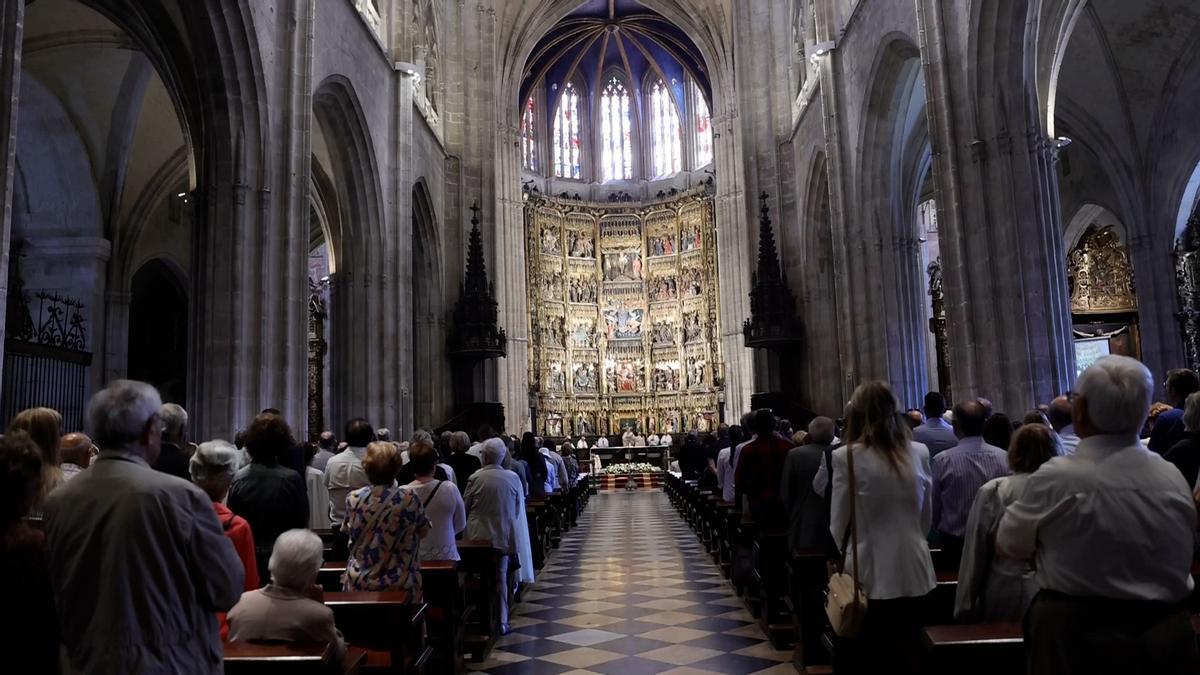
{"x": 385, "y": 524}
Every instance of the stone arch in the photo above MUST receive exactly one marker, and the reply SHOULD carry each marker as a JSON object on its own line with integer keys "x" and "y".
{"x": 895, "y": 160}
{"x": 431, "y": 382}
{"x": 824, "y": 378}
{"x": 360, "y": 365}
{"x": 158, "y": 328}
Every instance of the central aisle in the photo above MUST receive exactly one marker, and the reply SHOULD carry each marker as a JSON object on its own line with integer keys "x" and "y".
{"x": 631, "y": 591}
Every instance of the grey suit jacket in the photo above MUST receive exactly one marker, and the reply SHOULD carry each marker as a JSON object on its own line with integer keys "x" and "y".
{"x": 277, "y": 613}
{"x": 140, "y": 568}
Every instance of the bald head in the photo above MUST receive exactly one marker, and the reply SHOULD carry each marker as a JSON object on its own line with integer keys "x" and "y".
{"x": 75, "y": 448}
{"x": 1059, "y": 413}
{"x": 969, "y": 417}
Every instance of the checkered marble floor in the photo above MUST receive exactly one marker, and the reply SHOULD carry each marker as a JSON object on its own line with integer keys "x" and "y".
{"x": 631, "y": 591}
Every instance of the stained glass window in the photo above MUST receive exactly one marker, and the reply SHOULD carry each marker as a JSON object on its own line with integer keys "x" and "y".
{"x": 666, "y": 142}
{"x": 529, "y": 156}
{"x": 616, "y": 132}
{"x": 566, "y": 135}
{"x": 704, "y": 133}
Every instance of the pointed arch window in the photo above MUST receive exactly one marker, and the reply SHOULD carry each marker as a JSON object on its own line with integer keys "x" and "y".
{"x": 666, "y": 140}
{"x": 566, "y": 135}
{"x": 616, "y": 131}
{"x": 529, "y": 158}
{"x": 703, "y": 126}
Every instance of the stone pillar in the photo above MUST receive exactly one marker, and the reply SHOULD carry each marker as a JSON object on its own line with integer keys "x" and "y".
{"x": 248, "y": 345}
{"x": 1007, "y": 307}
{"x": 12, "y": 21}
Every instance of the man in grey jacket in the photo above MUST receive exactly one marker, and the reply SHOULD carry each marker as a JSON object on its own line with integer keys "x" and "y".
{"x": 139, "y": 563}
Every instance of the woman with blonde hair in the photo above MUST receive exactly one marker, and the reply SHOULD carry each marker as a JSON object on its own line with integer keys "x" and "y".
{"x": 882, "y": 488}
{"x": 993, "y": 589}
{"x": 385, "y": 524}
{"x": 44, "y": 426}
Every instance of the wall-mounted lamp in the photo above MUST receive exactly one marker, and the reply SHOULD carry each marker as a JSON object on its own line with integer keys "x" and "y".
{"x": 1062, "y": 142}
{"x": 821, "y": 49}
{"x": 410, "y": 69}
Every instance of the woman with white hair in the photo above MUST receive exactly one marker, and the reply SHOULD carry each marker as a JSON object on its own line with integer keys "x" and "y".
{"x": 496, "y": 513}
{"x": 283, "y": 609}
{"x": 212, "y": 469}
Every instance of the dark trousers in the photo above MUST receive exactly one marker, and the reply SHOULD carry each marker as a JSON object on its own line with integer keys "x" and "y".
{"x": 951, "y": 555}
{"x": 890, "y": 640}
{"x": 1067, "y": 635}
{"x": 340, "y": 544}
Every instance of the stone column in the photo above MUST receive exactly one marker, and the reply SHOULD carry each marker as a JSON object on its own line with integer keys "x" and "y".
{"x": 12, "y": 21}
{"x": 1007, "y": 307}
{"x": 249, "y": 267}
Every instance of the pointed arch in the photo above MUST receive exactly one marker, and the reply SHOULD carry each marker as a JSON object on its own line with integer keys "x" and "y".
{"x": 360, "y": 364}
{"x": 567, "y": 129}
{"x": 615, "y": 112}
{"x": 664, "y": 131}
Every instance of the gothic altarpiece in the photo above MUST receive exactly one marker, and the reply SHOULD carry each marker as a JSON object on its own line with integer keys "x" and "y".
{"x": 624, "y": 315}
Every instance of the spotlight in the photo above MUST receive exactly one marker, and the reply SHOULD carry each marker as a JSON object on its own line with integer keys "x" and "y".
{"x": 1062, "y": 142}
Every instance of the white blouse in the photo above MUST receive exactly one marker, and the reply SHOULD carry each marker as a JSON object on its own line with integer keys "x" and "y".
{"x": 447, "y": 517}
{"x": 894, "y": 512}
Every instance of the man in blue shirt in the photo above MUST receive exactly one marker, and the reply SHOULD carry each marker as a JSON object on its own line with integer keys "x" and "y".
{"x": 935, "y": 433}
{"x": 1168, "y": 428}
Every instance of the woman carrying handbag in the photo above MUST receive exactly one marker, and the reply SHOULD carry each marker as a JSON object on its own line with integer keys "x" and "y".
{"x": 881, "y": 511}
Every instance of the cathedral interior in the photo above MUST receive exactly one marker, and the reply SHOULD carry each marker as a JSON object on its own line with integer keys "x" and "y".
{"x": 584, "y": 217}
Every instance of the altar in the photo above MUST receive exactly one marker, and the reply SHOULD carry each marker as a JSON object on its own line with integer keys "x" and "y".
{"x": 655, "y": 455}
{"x": 624, "y": 318}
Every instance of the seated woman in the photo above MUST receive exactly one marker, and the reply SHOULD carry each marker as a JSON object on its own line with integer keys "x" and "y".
{"x": 441, "y": 500}
{"x": 29, "y": 638}
{"x": 284, "y": 610}
{"x": 385, "y": 525}
{"x": 992, "y": 589}
{"x": 212, "y": 469}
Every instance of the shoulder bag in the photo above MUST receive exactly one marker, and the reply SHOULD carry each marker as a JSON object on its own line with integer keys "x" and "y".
{"x": 846, "y": 602}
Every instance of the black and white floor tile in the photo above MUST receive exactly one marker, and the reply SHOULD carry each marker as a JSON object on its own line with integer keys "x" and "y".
{"x": 632, "y": 592}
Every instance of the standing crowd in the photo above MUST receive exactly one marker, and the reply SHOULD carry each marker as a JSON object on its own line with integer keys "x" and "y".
{"x": 134, "y": 550}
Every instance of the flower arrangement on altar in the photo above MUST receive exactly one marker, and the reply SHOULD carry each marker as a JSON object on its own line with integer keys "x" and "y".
{"x": 628, "y": 468}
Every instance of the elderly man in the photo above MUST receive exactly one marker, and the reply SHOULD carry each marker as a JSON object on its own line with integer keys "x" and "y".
{"x": 809, "y": 520}
{"x": 283, "y": 611}
{"x": 1111, "y": 530}
{"x": 1059, "y": 415}
{"x": 496, "y": 513}
{"x": 959, "y": 472}
{"x": 172, "y": 458}
{"x": 326, "y": 449}
{"x": 139, "y": 563}
{"x": 75, "y": 452}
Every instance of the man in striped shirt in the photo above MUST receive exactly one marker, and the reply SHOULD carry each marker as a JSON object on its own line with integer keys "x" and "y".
{"x": 958, "y": 473}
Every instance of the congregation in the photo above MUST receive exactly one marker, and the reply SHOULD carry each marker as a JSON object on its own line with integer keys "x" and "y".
{"x": 138, "y": 551}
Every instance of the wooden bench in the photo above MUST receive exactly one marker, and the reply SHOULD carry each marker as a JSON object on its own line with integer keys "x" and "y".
{"x": 482, "y": 588}
{"x": 443, "y": 590}
{"x": 286, "y": 658}
{"x": 387, "y": 624}
{"x": 771, "y": 587}
{"x": 984, "y": 648}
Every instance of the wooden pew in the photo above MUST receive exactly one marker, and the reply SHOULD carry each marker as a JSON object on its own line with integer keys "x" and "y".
{"x": 286, "y": 658}
{"x": 771, "y": 586}
{"x": 443, "y": 590}
{"x": 482, "y": 588}
{"x": 329, "y": 577}
{"x": 982, "y": 649}
{"x": 388, "y": 624}
{"x": 807, "y": 580}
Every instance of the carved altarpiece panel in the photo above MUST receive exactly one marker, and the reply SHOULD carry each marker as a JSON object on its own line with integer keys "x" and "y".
{"x": 624, "y": 315}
